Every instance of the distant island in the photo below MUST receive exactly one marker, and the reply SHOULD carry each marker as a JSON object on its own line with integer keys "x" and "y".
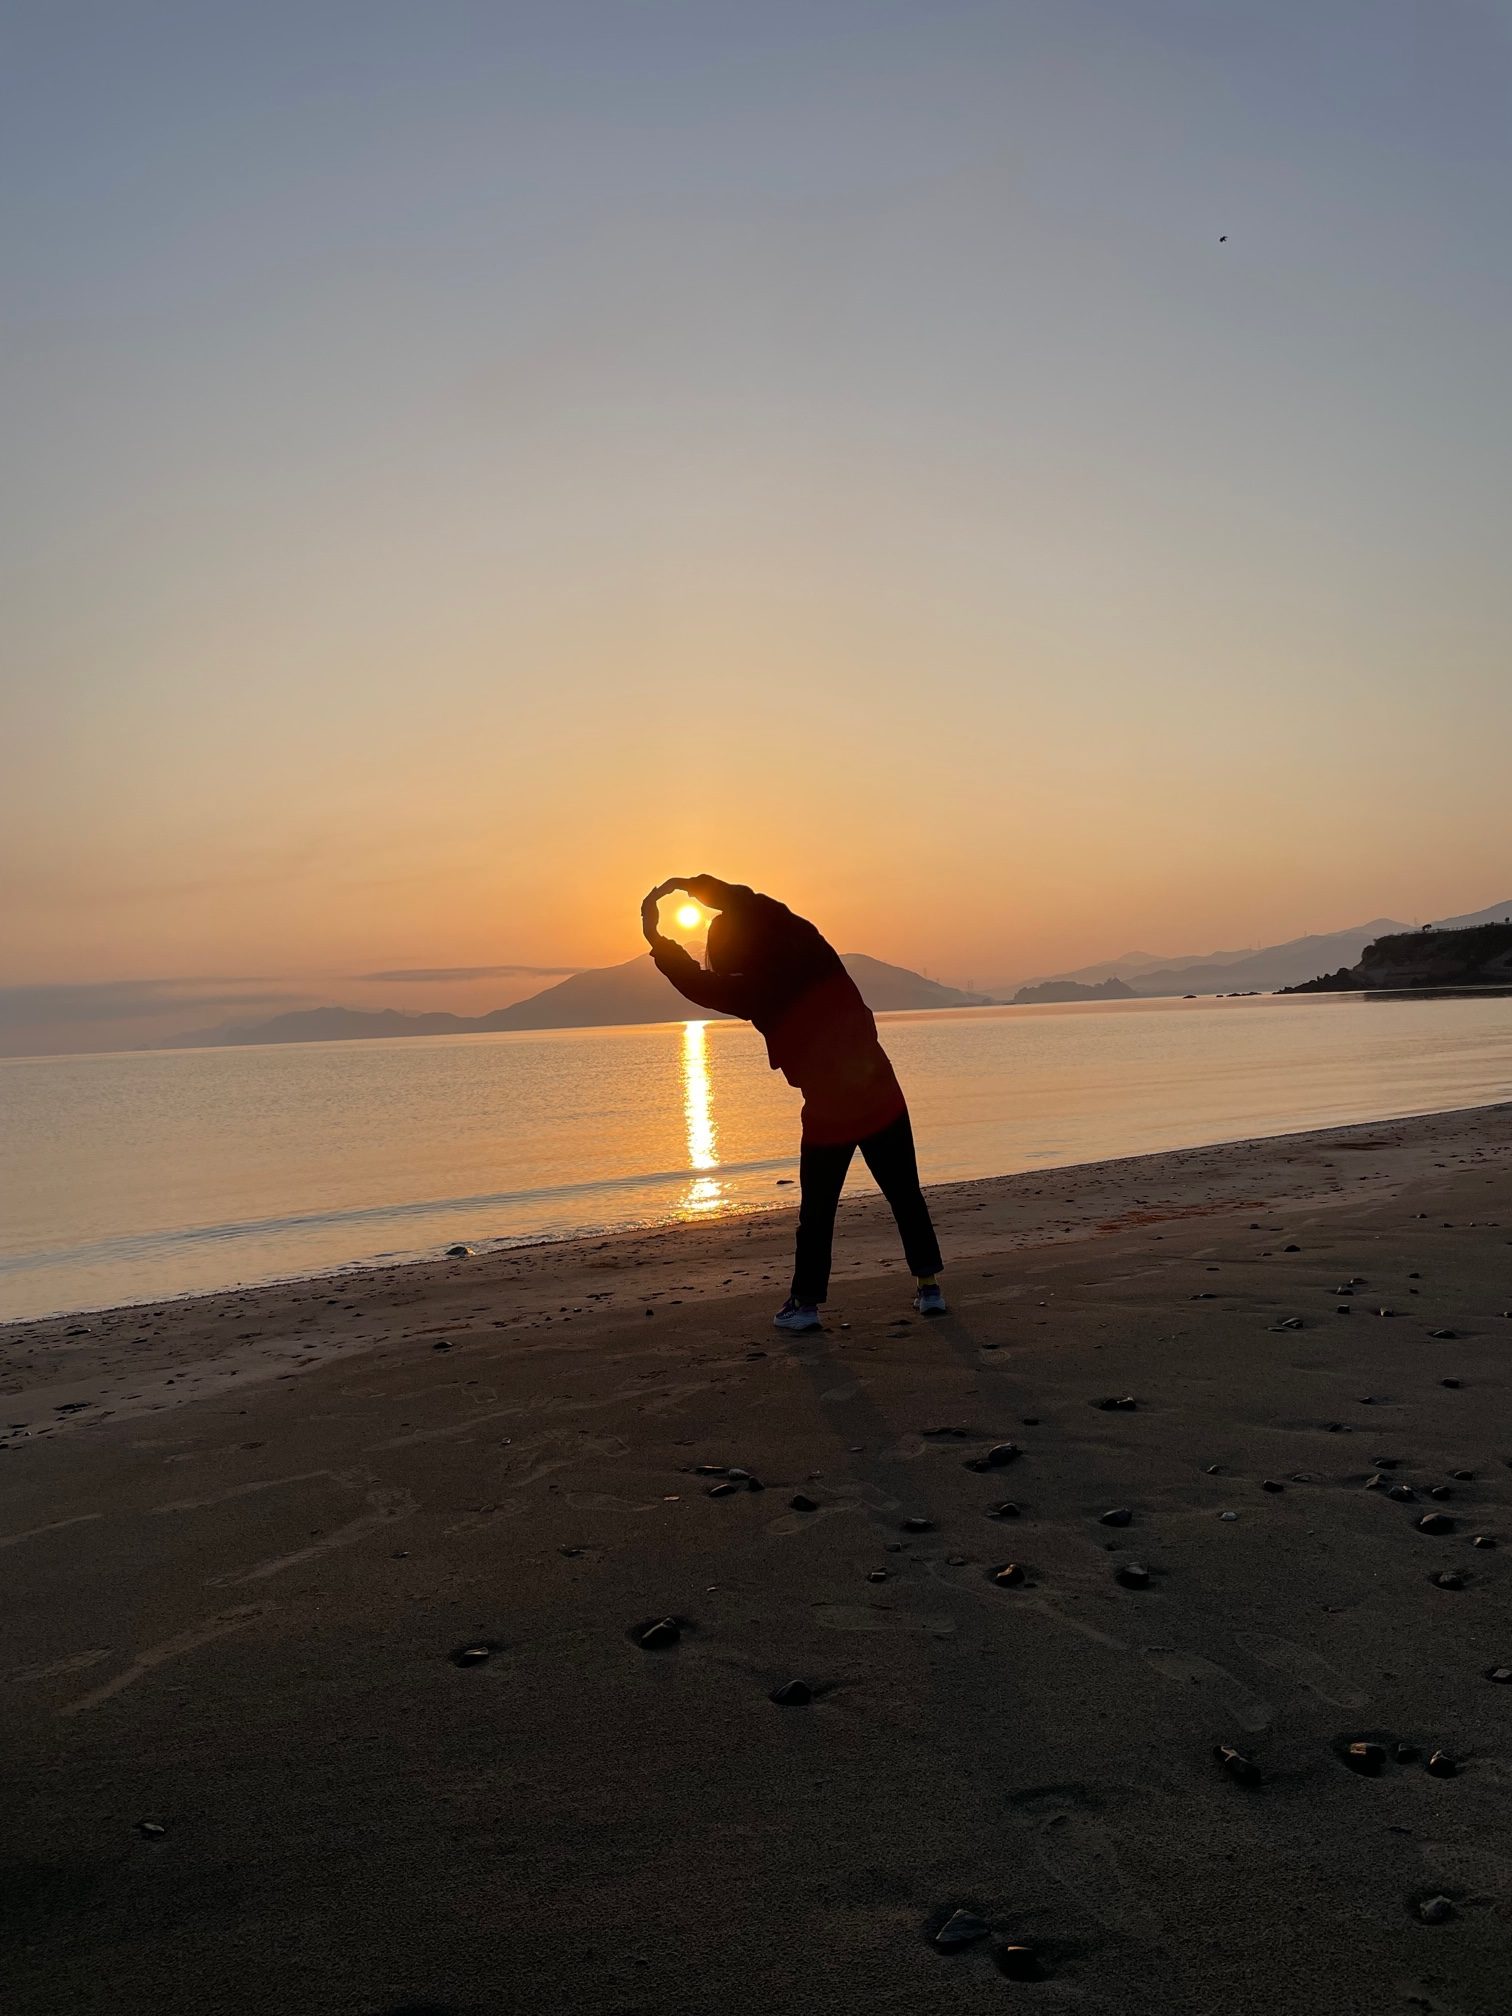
{"x": 601, "y": 997}
{"x": 1410, "y": 961}
{"x": 1111, "y": 989}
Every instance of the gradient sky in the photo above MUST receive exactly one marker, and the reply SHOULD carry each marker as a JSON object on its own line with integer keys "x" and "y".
{"x": 468, "y": 461}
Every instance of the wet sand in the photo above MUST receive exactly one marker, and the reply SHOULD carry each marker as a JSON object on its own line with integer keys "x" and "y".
{"x": 243, "y": 1537}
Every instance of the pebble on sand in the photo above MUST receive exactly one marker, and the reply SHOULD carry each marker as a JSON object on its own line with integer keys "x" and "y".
{"x": 1009, "y": 1576}
{"x": 723, "y": 1489}
{"x": 1243, "y": 1770}
{"x": 1442, "y": 1765}
{"x": 151, "y": 1830}
{"x": 799, "y": 1502}
{"x": 459, "y": 1252}
{"x": 1403, "y": 1494}
{"x": 1439, "y": 1491}
{"x": 1448, "y": 1578}
{"x": 1121, "y": 1404}
{"x": 1406, "y": 1753}
{"x": 1119, "y": 1516}
{"x": 1132, "y": 1576}
{"x": 1018, "y": 1963}
{"x": 792, "y": 1694}
{"x": 1365, "y": 1757}
{"x": 1455, "y": 1383}
{"x": 962, "y": 1928}
{"x": 472, "y": 1655}
{"x": 917, "y": 1524}
{"x": 1483, "y": 1540}
{"x": 1006, "y": 1510}
{"x": 1435, "y": 1522}
{"x": 1271, "y": 1484}
{"x": 1500, "y": 1674}
{"x": 1435, "y": 1910}
{"x": 1000, "y": 1454}
{"x": 653, "y": 1637}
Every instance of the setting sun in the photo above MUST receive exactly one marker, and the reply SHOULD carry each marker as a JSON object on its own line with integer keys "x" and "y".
{"x": 689, "y": 915}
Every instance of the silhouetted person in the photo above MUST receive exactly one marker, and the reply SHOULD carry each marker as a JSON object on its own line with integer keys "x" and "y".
{"x": 775, "y": 970}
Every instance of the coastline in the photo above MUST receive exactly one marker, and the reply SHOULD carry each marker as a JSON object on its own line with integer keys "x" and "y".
{"x": 343, "y": 1707}
{"x": 144, "y": 1357}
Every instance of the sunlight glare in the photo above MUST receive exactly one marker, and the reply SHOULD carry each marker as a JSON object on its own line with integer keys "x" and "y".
{"x": 690, "y": 916}
{"x": 705, "y": 1193}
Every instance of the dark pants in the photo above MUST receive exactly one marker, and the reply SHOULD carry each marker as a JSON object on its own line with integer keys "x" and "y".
{"x": 890, "y": 1157}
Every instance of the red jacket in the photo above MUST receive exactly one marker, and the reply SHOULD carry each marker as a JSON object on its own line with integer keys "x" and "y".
{"x": 819, "y": 1032}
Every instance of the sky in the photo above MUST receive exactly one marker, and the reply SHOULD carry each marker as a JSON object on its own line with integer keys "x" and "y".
{"x": 467, "y": 462}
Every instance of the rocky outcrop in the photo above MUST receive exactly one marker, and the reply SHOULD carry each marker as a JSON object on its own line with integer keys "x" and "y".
{"x": 1110, "y": 989}
{"x": 1411, "y": 961}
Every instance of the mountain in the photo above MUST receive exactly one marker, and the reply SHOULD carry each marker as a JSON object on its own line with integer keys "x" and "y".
{"x": 1111, "y": 989}
{"x": 1265, "y": 968}
{"x": 601, "y": 997}
{"x": 1479, "y": 955}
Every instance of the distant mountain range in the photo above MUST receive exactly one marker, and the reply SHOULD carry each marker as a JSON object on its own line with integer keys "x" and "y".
{"x": 1265, "y": 969}
{"x": 601, "y": 997}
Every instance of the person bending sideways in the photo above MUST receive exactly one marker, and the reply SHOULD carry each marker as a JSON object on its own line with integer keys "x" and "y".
{"x": 775, "y": 969}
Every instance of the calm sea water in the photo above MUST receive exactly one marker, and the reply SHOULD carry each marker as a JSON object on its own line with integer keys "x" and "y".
{"x": 134, "y": 1176}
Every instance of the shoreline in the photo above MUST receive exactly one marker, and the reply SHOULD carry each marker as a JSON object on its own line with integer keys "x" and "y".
{"x": 484, "y": 1249}
{"x": 187, "y": 1347}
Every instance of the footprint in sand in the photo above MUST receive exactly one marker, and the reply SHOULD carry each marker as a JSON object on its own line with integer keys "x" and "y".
{"x": 880, "y": 1617}
{"x": 1246, "y": 1709}
{"x": 1478, "y": 1872}
{"x": 1305, "y": 1667}
{"x": 1074, "y": 1844}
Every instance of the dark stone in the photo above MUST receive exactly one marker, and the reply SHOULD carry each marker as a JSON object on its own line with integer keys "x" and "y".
{"x": 1119, "y": 1516}
{"x": 1439, "y": 1491}
{"x": 1214, "y": 1470}
{"x": 473, "y": 1655}
{"x": 151, "y": 1830}
{"x": 1463, "y": 1476}
{"x": 1019, "y": 1963}
{"x": 961, "y": 1929}
{"x": 1376, "y": 1483}
{"x": 1204, "y": 1295}
{"x": 1403, "y": 1494}
{"x": 1387, "y": 1462}
{"x": 1500, "y": 1674}
{"x": 876, "y": 1575}
{"x": 800, "y": 1503}
{"x": 1291, "y": 1249}
{"x": 1243, "y": 1770}
{"x": 656, "y": 1636}
{"x": 1448, "y": 1578}
{"x": 1435, "y": 1522}
{"x": 1385, "y": 1312}
{"x": 1343, "y": 1309}
{"x": 1447, "y": 1335}
{"x": 792, "y": 1694}
{"x": 1455, "y": 1383}
{"x": 1124, "y": 1404}
{"x": 917, "y": 1525}
{"x": 1290, "y": 1323}
{"x": 1406, "y": 1752}
{"x": 1007, "y": 1510}
{"x": 1001, "y": 1453}
{"x": 1435, "y": 1910}
{"x": 459, "y": 1252}
{"x": 1010, "y": 1576}
{"x": 1366, "y": 1758}
{"x": 1483, "y": 1540}
{"x": 1442, "y": 1765}
{"x": 1132, "y": 1576}
{"x": 1271, "y": 1484}
{"x": 711, "y": 1470}
{"x": 722, "y": 1490}
{"x": 738, "y": 1476}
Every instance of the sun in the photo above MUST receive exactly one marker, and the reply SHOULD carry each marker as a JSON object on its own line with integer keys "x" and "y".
{"x": 689, "y": 916}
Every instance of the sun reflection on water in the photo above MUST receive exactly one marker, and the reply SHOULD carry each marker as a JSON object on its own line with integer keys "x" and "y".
{"x": 704, "y": 1193}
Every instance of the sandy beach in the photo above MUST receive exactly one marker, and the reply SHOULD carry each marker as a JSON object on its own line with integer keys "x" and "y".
{"x": 320, "y": 1673}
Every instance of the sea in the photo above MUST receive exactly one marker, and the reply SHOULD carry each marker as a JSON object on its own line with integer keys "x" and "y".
{"x": 136, "y": 1176}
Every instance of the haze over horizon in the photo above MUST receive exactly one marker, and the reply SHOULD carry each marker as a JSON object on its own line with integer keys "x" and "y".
{"x": 468, "y": 463}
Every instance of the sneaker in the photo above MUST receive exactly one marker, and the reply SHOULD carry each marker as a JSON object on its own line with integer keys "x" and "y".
{"x": 930, "y": 1300}
{"x": 796, "y": 1316}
